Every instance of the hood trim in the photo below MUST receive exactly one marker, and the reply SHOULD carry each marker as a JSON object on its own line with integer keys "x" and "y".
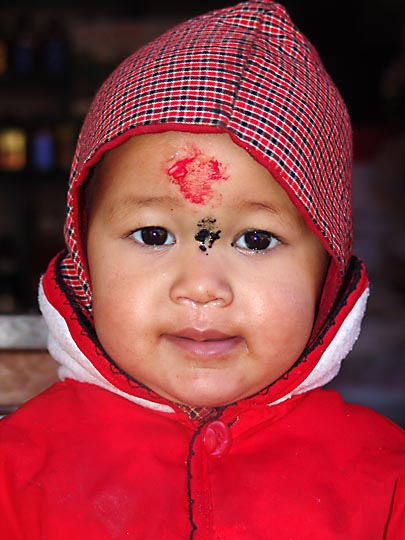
{"x": 73, "y": 363}
{"x": 331, "y": 360}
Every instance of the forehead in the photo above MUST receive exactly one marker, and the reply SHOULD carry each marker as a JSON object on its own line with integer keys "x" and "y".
{"x": 204, "y": 171}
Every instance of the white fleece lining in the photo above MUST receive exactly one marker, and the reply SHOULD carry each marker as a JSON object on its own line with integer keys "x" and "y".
{"x": 75, "y": 365}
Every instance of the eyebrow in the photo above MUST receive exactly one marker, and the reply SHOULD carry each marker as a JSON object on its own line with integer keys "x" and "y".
{"x": 257, "y": 205}
{"x": 133, "y": 203}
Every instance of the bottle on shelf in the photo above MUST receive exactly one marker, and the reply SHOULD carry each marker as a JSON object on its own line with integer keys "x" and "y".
{"x": 42, "y": 147}
{"x": 13, "y": 147}
{"x": 65, "y": 133}
{"x": 23, "y": 53}
{"x": 54, "y": 50}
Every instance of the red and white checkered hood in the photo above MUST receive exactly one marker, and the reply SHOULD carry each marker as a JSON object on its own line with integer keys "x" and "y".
{"x": 246, "y": 71}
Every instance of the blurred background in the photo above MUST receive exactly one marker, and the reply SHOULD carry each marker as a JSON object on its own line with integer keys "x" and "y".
{"x": 54, "y": 57}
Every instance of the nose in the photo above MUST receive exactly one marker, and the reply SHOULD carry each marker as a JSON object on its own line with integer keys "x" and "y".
{"x": 202, "y": 282}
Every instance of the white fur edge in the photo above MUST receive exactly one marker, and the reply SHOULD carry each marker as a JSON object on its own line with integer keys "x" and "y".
{"x": 73, "y": 363}
{"x": 329, "y": 364}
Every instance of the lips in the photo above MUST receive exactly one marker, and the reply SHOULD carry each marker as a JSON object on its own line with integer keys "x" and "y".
{"x": 203, "y": 343}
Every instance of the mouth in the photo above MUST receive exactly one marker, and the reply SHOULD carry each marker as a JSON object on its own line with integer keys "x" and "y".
{"x": 203, "y": 343}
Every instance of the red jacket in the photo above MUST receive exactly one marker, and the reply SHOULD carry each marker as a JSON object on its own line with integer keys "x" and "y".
{"x": 80, "y": 462}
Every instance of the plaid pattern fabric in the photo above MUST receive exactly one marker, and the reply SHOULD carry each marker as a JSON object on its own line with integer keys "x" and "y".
{"x": 244, "y": 70}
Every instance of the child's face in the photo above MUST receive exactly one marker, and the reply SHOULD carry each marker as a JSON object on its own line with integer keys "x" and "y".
{"x": 205, "y": 277}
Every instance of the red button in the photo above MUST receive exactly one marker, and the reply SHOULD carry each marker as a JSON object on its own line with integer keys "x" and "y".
{"x": 217, "y": 439}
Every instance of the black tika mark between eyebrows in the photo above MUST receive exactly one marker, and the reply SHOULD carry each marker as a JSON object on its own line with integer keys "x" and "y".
{"x": 207, "y": 233}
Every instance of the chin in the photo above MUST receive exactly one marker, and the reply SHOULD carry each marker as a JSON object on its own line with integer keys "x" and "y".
{"x": 206, "y": 392}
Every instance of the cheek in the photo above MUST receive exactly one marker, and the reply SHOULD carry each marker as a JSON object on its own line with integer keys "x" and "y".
{"x": 120, "y": 295}
{"x": 294, "y": 305}
{"x": 284, "y": 314}
{"x": 120, "y": 308}
{"x": 112, "y": 286}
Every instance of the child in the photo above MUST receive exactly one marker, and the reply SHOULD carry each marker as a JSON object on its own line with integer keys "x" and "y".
{"x": 207, "y": 293}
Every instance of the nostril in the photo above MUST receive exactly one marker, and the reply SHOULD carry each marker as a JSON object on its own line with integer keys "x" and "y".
{"x": 208, "y": 300}
{"x": 203, "y": 297}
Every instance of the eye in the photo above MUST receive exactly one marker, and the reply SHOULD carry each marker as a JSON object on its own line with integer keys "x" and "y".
{"x": 256, "y": 240}
{"x": 153, "y": 236}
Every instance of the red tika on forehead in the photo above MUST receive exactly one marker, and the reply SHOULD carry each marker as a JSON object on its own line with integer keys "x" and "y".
{"x": 195, "y": 175}
{"x": 244, "y": 70}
